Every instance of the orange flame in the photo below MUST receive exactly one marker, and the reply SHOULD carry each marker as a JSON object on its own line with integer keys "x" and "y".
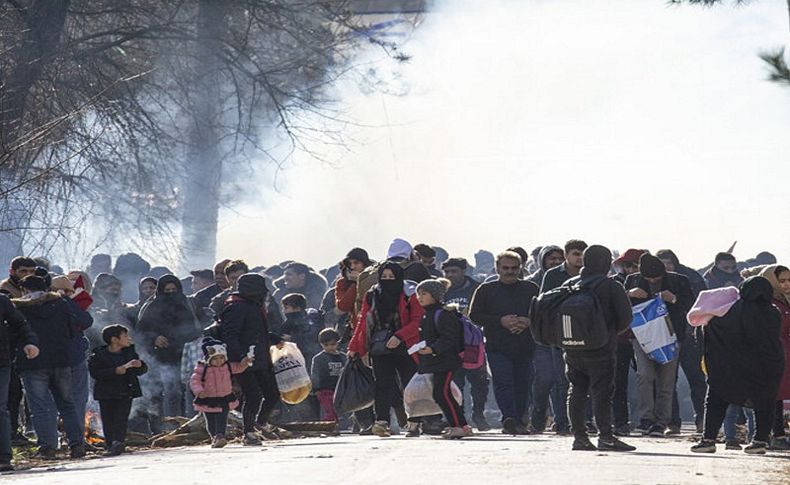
{"x": 91, "y": 436}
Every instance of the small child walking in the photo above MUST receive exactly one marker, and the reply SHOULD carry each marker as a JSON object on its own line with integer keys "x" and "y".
{"x": 115, "y": 368}
{"x": 213, "y": 388}
{"x": 325, "y": 371}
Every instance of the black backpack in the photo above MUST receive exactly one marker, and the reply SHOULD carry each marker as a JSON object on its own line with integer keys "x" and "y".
{"x": 570, "y": 317}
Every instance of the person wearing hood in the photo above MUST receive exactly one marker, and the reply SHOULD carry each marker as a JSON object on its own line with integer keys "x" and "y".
{"x": 656, "y": 382}
{"x": 574, "y": 249}
{"x": 501, "y": 307}
{"x": 233, "y": 271}
{"x": 299, "y": 278}
{"x": 462, "y": 289}
{"x": 146, "y": 289}
{"x": 549, "y": 257}
{"x": 165, "y": 324}
{"x": 690, "y": 352}
{"x": 346, "y": 287}
{"x": 388, "y": 325}
{"x": 301, "y": 326}
{"x": 592, "y": 372}
{"x": 14, "y": 333}
{"x": 745, "y": 361}
{"x": 54, "y": 320}
{"x": 20, "y": 267}
{"x": 724, "y": 272}
{"x": 426, "y": 255}
{"x": 243, "y": 327}
{"x": 107, "y": 307}
{"x": 779, "y": 277}
{"x": 550, "y": 381}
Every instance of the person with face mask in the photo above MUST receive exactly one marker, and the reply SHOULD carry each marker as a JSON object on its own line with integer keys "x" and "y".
{"x": 779, "y": 277}
{"x": 165, "y": 324}
{"x": 388, "y": 325}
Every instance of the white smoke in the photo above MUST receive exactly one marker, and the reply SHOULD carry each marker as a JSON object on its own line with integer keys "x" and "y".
{"x": 632, "y": 124}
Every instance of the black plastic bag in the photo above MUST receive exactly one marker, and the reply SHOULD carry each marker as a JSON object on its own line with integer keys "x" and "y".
{"x": 354, "y": 390}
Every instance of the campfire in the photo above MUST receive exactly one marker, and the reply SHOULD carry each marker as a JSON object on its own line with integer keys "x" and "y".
{"x": 92, "y": 424}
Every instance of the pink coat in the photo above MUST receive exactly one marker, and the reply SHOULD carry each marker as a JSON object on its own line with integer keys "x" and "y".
{"x": 712, "y": 303}
{"x": 217, "y": 383}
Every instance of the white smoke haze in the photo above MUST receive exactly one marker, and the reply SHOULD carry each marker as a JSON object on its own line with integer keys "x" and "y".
{"x": 631, "y": 124}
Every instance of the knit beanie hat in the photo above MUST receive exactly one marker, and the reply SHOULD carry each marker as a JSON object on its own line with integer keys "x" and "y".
{"x": 650, "y": 266}
{"x": 213, "y": 347}
{"x": 436, "y": 288}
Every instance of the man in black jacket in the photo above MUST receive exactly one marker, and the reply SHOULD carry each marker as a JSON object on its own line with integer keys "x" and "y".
{"x": 655, "y": 382}
{"x": 592, "y": 371}
{"x": 244, "y": 329}
{"x": 502, "y": 308}
{"x": 554, "y": 277}
{"x": 14, "y": 332}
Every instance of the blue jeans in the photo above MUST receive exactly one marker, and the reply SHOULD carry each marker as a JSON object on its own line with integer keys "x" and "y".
{"x": 731, "y": 418}
{"x": 5, "y": 416}
{"x": 80, "y": 390}
{"x": 511, "y": 378}
{"x": 550, "y": 382}
{"x": 39, "y": 384}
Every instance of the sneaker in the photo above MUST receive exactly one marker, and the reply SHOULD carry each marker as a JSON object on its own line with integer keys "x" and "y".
{"x": 272, "y": 432}
{"x": 219, "y": 441}
{"x": 115, "y": 449}
{"x": 381, "y": 429}
{"x": 656, "y": 431}
{"x": 757, "y": 448}
{"x": 413, "y": 430}
{"x": 672, "y": 431}
{"x": 592, "y": 429}
{"x": 779, "y": 444}
{"x": 534, "y": 430}
{"x": 622, "y": 431}
{"x": 732, "y": 445}
{"x": 613, "y": 444}
{"x": 457, "y": 433}
{"x": 704, "y": 446}
{"x": 522, "y": 430}
{"x": 480, "y": 423}
{"x": 644, "y": 427}
{"x": 6, "y": 466}
{"x": 251, "y": 439}
{"x": 583, "y": 443}
{"x": 78, "y": 451}
{"x": 509, "y": 426}
{"x": 367, "y": 431}
{"x": 45, "y": 453}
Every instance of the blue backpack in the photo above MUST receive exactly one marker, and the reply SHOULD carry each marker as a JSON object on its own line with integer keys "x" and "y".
{"x": 473, "y": 354}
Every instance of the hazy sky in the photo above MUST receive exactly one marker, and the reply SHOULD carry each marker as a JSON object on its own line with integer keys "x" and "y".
{"x": 626, "y": 123}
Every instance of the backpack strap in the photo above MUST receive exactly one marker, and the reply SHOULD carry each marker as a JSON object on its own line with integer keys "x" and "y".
{"x": 205, "y": 370}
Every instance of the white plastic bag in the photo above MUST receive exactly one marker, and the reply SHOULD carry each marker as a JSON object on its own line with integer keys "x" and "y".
{"x": 418, "y": 396}
{"x": 291, "y": 373}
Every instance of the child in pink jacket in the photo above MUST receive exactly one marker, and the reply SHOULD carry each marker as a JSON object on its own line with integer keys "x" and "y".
{"x": 213, "y": 389}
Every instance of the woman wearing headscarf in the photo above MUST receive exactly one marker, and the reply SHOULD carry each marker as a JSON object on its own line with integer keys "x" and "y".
{"x": 744, "y": 361}
{"x": 388, "y": 325}
{"x": 107, "y": 307}
{"x": 165, "y": 324}
{"x": 779, "y": 276}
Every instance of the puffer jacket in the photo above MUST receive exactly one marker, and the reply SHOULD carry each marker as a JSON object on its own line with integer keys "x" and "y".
{"x": 216, "y": 385}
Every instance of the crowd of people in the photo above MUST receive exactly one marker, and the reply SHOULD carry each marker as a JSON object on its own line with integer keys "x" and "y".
{"x": 138, "y": 344}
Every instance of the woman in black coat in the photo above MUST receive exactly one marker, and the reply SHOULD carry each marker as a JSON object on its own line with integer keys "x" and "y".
{"x": 745, "y": 362}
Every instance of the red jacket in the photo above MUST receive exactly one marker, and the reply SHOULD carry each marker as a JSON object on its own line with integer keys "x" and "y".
{"x": 345, "y": 296}
{"x": 784, "y": 387}
{"x": 410, "y": 312}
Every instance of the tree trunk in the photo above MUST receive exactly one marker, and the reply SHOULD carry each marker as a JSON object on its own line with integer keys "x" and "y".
{"x": 43, "y": 22}
{"x": 204, "y": 161}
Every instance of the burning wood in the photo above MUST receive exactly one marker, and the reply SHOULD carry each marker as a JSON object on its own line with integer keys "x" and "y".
{"x": 92, "y": 425}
